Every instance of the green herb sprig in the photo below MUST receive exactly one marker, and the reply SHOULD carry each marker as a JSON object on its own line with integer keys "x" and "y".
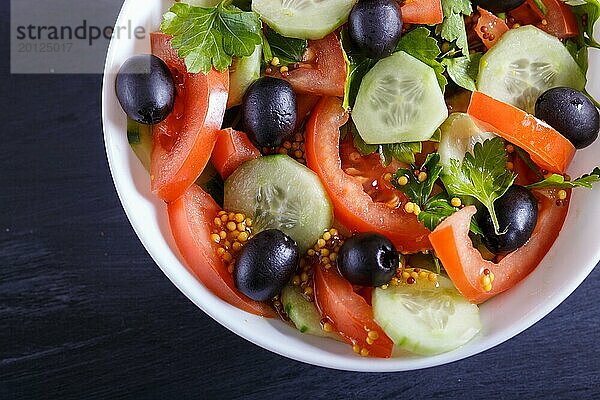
{"x": 207, "y": 37}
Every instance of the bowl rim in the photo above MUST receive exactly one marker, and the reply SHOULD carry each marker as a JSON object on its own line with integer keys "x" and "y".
{"x": 205, "y": 301}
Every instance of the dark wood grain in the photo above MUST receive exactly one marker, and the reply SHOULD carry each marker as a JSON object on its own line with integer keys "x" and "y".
{"x": 85, "y": 313}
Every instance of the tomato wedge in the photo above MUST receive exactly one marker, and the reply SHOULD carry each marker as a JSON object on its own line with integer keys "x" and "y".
{"x": 354, "y": 208}
{"x": 559, "y": 19}
{"x": 426, "y": 12}
{"x": 547, "y": 147}
{"x": 184, "y": 141}
{"x": 464, "y": 263}
{"x": 324, "y": 71}
{"x": 232, "y": 149}
{"x": 304, "y": 105}
{"x": 190, "y": 217}
{"x": 489, "y": 28}
{"x": 349, "y": 313}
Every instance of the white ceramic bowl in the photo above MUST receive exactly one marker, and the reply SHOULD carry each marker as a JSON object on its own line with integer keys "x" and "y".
{"x": 567, "y": 264}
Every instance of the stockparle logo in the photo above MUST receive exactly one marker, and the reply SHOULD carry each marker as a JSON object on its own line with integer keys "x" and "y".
{"x": 65, "y": 36}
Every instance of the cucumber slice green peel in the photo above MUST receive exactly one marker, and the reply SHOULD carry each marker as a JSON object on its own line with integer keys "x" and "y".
{"x": 425, "y": 317}
{"x": 303, "y": 313}
{"x": 304, "y": 19}
{"x": 242, "y": 73}
{"x": 280, "y": 193}
{"x": 140, "y": 139}
{"x": 399, "y": 100}
{"x": 523, "y": 64}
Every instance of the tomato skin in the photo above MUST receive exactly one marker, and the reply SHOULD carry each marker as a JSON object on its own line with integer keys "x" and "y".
{"x": 305, "y": 103}
{"x": 547, "y": 147}
{"x": 525, "y": 175}
{"x": 493, "y": 26}
{"x": 352, "y": 206}
{"x": 233, "y": 148}
{"x": 560, "y": 20}
{"x": 190, "y": 218}
{"x": 183, "y": 142}
{"x": 348, "y": 312}
{"x": 325, "y": 73}
{"x": 426, "y": 12}
{"x": 465, "y": 265}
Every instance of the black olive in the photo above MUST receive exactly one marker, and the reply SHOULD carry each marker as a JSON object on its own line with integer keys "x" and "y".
{"x": 498, "y": 6}
{"x": 375, "y": 26}
{"x": 571, "y": 113}
{"x": 266, "y": 264}
{"x": 145, "y": 89}
{"x": 368, "y": 259}
{"x": 517, "y": 213}
{"x": 269, "y": 111}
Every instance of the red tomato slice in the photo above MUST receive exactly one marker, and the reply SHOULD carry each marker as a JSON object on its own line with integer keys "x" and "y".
{"x": 489, "y": 27}
{"x": 559, "y": 19}
{"x": 233, "y": 148}
{"x": 426, "y": 12}
{"x": 525, "y": 175}
{"x": 524, "y": 15}
{"x": 349, "y": 313}
{"x": 354, "y": 208}
{"x": 547, "y": 148}
{"x": 304, "y": 105}
{"x": 184, "y": 141}
{"x": 324, "y": 72}
{"x": 190, "y": 217}
{"x": 369, "y": 171}
{"x": 464, "y": 263}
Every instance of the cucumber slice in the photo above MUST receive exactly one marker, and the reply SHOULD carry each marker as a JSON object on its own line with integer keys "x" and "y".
{"x": 303, "y": 313}
{"x": 523, "y": 64}
{"x": 426, "y": 318}
{"x": 459, "y": 134}
{"x": 399, "y": 100}
{"x": 140, "y": 139}
{"x": 280, "y": 193}
{"x": 304, "y": 19}
{"x": 242, "y": 73}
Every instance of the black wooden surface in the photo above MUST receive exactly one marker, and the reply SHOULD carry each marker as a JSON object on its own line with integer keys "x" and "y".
{"x": 85, "y": 313}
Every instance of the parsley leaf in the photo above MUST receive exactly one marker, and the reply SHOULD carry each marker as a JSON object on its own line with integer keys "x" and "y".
{"x": 287, "y": 50}
{"x": 357, "y": 67}
{"x": 433, "y": 209}
{"x": 590, "y": 8}
{"x": 362, "y": 146}
{"x": 437, "y": 209}
{"x": 418, "y": 192}
{"x": 555, "y": 181}
{"x": 403, "y": 152}
{"x": 453, "y": 27}
{"x": 578, "y": 46}
{"x": 482, "y": 175}
{"x": 419, "y": 44}
{"x": 463, "y": 70}
{"x": 207, "y": 37}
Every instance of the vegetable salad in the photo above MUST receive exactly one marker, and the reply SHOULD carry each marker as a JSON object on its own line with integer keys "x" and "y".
{"x": 369, "y": 171}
